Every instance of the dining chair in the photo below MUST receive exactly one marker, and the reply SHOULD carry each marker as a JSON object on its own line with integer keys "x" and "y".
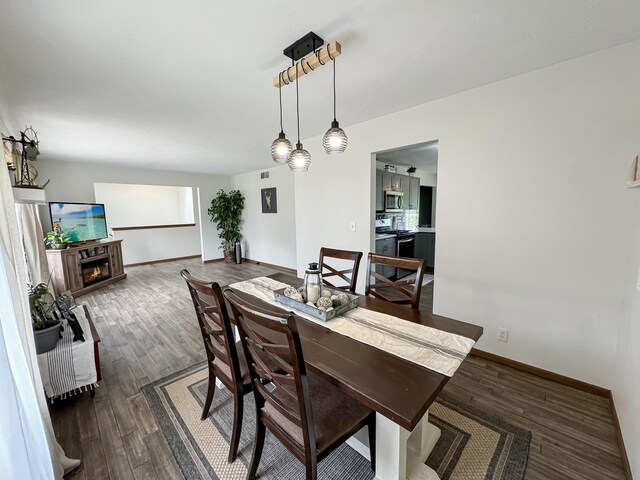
{"x": 344, "y": 255}
{"x": 225, "y": 357}
{"x": 306, "y": 413}
{"x": 395, "y": 291}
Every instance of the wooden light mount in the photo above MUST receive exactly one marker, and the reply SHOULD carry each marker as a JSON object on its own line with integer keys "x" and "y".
{"x": 307, "y": 57}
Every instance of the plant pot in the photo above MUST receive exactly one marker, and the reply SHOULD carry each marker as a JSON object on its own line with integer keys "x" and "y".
{"x": 59, "y": 246}
{"x": 229, "y": 256}
{"x": 47, "y": 338}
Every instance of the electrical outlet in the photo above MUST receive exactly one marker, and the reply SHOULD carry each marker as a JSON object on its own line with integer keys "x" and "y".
{"x": 352, "y": 226}
{"x": 503, "y": 334}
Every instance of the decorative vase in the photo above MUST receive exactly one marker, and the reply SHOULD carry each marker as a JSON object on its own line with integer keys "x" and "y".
{"x": 47, "y": 338}
{"x": 238, "y": 253}
{"x": 229, "y": 256}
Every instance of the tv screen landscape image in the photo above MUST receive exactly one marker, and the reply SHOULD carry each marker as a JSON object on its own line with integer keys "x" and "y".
{"x": 81, "y": 221}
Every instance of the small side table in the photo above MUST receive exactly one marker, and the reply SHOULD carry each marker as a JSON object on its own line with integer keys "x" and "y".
{"x": 96, "y": 349}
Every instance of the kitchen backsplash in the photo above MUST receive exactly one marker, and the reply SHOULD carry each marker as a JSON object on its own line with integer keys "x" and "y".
{"x": 407, "y": 220}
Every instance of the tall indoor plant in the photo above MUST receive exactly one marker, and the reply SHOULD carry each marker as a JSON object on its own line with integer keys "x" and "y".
{"x": 226, "y": 212}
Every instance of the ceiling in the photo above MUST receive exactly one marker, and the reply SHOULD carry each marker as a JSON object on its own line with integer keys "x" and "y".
{"x": 187, "y": 85}
{"x": 423, "y": 156}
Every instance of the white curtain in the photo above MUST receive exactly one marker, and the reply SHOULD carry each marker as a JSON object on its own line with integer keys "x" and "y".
{"x": 28, "y": 448}
{"x": 32, "y": 236}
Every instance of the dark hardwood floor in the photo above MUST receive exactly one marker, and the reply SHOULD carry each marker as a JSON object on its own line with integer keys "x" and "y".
{"x": 148, "y": 331}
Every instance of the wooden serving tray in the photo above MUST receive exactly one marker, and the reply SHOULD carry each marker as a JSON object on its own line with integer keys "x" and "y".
{"x": 324, "y": 316}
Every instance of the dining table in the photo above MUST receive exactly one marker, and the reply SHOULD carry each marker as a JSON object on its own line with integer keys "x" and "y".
{"x": 398, "y": 390}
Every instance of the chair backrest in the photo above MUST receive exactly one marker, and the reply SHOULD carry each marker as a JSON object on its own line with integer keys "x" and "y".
{"x": 216, "y": 330}
{"x": 331, "y": 271}
{"x": 272, "y": 347}
{"x": 395, "y": 291}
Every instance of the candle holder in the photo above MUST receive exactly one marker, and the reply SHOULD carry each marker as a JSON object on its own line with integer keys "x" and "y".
{"x": 312, "y": 286}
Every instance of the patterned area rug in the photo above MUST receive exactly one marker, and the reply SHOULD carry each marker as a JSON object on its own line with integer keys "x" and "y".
{"x": 473, "y": 445}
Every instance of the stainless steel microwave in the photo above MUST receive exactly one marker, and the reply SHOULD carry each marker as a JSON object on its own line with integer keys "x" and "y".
{"x": 393, "y": 201}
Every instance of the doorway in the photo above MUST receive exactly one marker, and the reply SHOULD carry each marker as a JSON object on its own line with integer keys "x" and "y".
{"x": 404, "y": 216}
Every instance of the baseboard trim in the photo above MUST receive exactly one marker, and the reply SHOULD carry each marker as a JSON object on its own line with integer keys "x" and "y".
{"x": 626, "y": 466}
{"x": 213, "y": 260}
{"x": 546, "y": 374}
{"x": 271, "y": 265}
{"x": 151, "y": 262}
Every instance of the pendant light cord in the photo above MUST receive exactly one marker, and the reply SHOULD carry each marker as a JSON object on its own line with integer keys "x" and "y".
{"x": 334, "y": 87}
{"x": 297, "y": 104}
{"x": 280, "y": 92}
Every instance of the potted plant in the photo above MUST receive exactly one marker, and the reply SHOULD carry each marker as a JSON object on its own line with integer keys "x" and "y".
{"x": 46, "y": 328}
{"x": 226, "y": 212}
{"x": 57, "y": 239}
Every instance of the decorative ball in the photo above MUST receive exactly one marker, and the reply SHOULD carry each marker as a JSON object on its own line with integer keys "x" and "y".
{"x": 342, "y": 298}
{"x": 324, "y": 302}
{"x": 290, "y": 291}
{"x": 326, "y": 293}
{"x": 296, "y": 296}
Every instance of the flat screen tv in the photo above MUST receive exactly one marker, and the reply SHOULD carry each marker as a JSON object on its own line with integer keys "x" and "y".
{"x": 81, "y": 221}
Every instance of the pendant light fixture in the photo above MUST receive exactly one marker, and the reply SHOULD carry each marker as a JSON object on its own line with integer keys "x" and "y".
{"x": 299, "y": 159}
{"x": 335, "y": 140}
{"x": 281, "y": 147}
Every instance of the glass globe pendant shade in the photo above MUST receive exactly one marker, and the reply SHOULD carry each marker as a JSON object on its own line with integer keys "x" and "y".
{"x": 300, "y": 159}
{"x": 281, "y": 149}
{"x": 335, "y": 140}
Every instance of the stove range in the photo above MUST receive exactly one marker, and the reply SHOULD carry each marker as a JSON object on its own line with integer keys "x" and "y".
{"x": 404, "y": 234}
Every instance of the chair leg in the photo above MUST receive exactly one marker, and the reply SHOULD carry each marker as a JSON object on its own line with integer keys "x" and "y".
{"x": 312, "y": 468}
{"x": 257, "y": 449}
{"x": 210, "y": 391}
{"x": 371, "y": 426}
{"x": 238, "y": 403}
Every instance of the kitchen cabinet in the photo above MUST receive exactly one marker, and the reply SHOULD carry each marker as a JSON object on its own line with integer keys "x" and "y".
{"x": 425, "y": 248}
{"x": 386, "y": 246}
{"x": 395, "y": 182}
{"x": 391, "y": 181}
{"x": 386, "y": 180}
{"x": 414, "y": 193}
{"x": 411, "y": 190}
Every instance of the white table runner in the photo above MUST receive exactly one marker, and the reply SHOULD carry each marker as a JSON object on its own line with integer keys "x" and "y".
{"x": 70, "y": 366}
{"x": 434, "y": 349}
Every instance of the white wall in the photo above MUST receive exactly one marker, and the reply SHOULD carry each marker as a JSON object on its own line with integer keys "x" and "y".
{"x": 534, "y": 231}
{"x": 188, "y": 199}
{"x": 154, "y": 204}
{"x": 269, "y": 237}
{"x": 427, "y": 179}
{"x": 74, "y": 182}
{"x": 626, "y": 388}
{"x": 140, "y": 246}
{"x": 143, "y": 205}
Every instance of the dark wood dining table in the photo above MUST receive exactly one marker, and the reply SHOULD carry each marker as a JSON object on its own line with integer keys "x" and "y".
{"x": 398, "y": 389}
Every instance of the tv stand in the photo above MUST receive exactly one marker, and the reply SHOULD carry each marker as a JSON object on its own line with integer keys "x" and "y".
{"x": 83, "y": 268}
